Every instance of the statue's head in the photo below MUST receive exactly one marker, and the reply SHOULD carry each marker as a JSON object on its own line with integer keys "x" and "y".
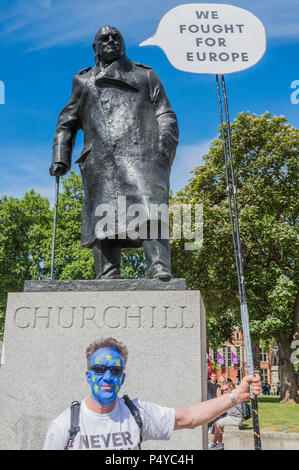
{"x": 108, "y": 45}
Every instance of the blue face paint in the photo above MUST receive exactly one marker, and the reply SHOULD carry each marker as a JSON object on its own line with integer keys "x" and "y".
{"x": 105, "y": 387}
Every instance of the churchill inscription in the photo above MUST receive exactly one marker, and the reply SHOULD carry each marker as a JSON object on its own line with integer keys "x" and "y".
{"x": 112, "y": 317}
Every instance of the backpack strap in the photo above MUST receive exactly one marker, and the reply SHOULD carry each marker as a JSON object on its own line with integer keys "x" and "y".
{"x": 74, "y": 424}
{"x": 136, "y": 415}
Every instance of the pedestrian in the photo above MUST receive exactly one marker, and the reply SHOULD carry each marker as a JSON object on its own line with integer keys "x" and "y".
{"x": 221, "y": 382}
{"x": 229, "y": 381}
{"x": 264, "y": 387}
{"x": 107, "y": 422}
{"x": 233, "y": 417}
{"x": 278, "y": 389}
{"x": 213, "y": 388}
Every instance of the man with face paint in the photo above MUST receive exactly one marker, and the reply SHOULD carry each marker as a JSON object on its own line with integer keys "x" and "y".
{"x": 106, "y": 422}
{"x": 130, "y": 139}
{"x": 105, "y": 377}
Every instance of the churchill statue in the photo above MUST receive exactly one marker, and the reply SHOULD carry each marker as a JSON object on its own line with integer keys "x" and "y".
{"x": 130, "y": 139}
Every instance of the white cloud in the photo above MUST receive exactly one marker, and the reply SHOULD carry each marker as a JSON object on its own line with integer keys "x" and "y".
{"x": 188, "y": 157}
{"x": 43, "y": 24}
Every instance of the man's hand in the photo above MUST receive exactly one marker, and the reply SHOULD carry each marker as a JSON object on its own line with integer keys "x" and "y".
{"x": 242, "y": 392}
{"x": 206, "y": 411}
{"x": 58, "y": 169}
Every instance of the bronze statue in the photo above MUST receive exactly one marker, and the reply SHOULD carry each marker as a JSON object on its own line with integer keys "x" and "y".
{"x": 130, "y": 139}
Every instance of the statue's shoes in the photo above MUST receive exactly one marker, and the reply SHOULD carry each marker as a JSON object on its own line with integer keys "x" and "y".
{"x": 163, "y": 276}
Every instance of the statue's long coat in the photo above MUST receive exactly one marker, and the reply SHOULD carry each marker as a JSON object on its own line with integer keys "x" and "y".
{"x": 130, "y": 138}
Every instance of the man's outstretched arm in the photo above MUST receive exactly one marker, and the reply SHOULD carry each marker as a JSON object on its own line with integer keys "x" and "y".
{"x": 207, "y": 411}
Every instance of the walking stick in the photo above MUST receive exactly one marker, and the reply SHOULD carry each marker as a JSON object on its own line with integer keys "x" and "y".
{"x": 55, "y": 222}
{"x": 234, "y": 220}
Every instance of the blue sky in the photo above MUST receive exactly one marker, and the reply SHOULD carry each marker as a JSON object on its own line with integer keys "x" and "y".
{"x": 43, "y": 43}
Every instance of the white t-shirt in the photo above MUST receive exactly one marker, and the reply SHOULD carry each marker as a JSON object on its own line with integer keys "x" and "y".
{"x": 116, "y": 430}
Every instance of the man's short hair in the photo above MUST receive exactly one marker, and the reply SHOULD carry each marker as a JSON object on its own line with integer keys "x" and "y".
{"x": 107, "y": 343}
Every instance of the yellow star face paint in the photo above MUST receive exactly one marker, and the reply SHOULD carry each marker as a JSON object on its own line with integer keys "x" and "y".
{"x": 104, "y": 381}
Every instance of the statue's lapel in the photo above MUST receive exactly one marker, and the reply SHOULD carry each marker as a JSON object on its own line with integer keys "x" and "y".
{"x": 119, "y": 71}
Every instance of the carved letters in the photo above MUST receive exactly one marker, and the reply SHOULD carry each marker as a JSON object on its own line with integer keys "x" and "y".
{"x": 111, "y": 316}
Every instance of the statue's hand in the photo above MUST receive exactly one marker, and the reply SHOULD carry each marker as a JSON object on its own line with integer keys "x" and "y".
{"x": 58, "y": 169}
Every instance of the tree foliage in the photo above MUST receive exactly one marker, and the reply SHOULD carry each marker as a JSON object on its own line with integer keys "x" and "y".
{"x": 265, "y": 153}
{"x": 24, "y": 227}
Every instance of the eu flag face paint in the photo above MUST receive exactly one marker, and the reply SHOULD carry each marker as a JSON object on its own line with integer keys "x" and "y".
{"x": 105, "y": 376}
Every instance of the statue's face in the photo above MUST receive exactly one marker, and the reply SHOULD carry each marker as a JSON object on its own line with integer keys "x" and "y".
{"x": 105, "y": 376}
{"x": 109, "y": 44}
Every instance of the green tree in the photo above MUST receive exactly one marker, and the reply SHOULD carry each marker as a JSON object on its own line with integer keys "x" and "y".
{"x": 24, "y": 226}
{"x": 265, "y": 152}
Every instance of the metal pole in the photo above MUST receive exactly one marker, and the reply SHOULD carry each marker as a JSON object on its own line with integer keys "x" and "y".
{"x": 228, "y": 189}
{"x": 55, "y": 223}
{"x": 231, "y": 190}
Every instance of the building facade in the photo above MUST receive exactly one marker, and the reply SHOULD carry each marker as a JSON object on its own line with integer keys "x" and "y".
{"x": 269, "y": 368}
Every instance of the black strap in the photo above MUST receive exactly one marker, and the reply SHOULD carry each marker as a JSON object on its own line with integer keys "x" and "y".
{"x": 136, "y": 415}
{"x": 74, "y": 424}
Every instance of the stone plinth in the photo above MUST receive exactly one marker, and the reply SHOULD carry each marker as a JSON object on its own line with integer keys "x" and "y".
{"x": 104, "y": 285}
{"x": 46, "y": 334}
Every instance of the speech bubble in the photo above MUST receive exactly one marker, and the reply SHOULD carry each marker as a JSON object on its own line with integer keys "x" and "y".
{"x": 210, "y": 38}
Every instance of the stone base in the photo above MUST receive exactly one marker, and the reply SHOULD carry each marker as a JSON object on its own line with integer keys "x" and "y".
{"x": 46, "y": 334}
{"x": 236, "y": 439}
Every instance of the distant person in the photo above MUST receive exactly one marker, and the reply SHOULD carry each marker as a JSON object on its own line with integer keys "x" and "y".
{"x": 213, "y": 386}
{"x": 278, "y": 389}
{"x": 264, "y": 387}
{"x": 107, "y": 422}
{"x": 229, "y": 380}
{"x": 233, "y": 417}
{"x": 221, "y": 382}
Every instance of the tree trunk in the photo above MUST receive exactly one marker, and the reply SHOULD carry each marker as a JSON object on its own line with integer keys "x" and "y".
{"x": 288, "y": 391}
{"x": 295, "y": 333}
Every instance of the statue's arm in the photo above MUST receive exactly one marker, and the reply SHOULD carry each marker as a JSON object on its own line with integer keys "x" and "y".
{"x": 168, "y": 125}
{"x": 65, "y": 134}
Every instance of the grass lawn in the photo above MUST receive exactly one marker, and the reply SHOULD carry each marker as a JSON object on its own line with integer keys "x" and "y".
{"x": 273, "y": 415}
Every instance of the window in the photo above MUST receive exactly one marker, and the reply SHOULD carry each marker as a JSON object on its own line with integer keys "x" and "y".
{"x": 263, "y": 356}
{"x": 264, "y": 375}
